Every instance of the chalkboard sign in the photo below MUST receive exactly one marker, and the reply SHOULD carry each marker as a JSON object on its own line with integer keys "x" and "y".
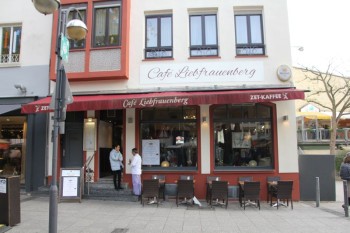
{"x": 71, "y": 181}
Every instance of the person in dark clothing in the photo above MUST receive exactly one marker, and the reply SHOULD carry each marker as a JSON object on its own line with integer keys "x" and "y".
{"x": 345, "y": 172}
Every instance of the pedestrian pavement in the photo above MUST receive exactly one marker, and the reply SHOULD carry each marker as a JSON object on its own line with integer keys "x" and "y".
{"x": 97, "y": 216}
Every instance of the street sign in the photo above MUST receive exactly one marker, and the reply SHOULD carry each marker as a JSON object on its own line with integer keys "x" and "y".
{"x": 64, "y": 52}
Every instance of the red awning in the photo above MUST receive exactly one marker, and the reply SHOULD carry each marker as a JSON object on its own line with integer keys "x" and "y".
{"x": 159, "y": 99}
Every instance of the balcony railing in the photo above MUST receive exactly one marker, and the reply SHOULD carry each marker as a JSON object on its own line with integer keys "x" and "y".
{"x": 322, "y": 135}
{"x": 9, "y": 58}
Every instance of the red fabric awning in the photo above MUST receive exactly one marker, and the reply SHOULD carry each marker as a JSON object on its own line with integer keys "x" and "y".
{"x": 159, "y": 99}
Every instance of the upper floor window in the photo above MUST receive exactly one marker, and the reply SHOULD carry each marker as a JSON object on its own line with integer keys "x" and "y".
{"x": 159, "y": 36}
{"x": 10, "y": 44}
{"x": 77, "y": 44}
{"x": 106, "y": 26}
{"x": 203, "y": 35}
{"x": 249, "y": 34}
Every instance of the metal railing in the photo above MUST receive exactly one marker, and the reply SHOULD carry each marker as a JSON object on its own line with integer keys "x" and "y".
{"x": 88, "y": 172}
{"x": 322, "y": 135}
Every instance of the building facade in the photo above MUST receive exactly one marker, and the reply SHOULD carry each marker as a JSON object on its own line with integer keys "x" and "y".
{"x": 25, "y": 39}
{"x": 200, "y": 88}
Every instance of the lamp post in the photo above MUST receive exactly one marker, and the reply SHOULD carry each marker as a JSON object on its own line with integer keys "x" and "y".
{"x": 76, "y": 30}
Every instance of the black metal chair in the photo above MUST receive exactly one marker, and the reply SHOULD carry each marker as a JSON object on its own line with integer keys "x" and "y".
{"x": 185, "y": 190}
{"x": 219, "y": 192}
{"x": 150, "y": 189}
{"x": 210, "y": 179}
{"x": 240, "y": 180}
{"x": 283, "y": 191}
{"x": 269, "y": 181}
{"x": 161, "y": 179}
{"x": 251, "y": 192}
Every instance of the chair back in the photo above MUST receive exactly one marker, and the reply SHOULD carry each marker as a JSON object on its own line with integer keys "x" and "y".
{"x": 185, "y": 188}
{"x": 284, "y": 189}
{"x": 252, "y": 189}
{"x": 183, "y": 177}
{"x": 245, "y": 178}
{"x": 159, "y": 177}
{"x": 212, "y": 178}
{"x": 273, "y": 178}
{"x": 150, "y": 188}
{"x": 219, "y": 190}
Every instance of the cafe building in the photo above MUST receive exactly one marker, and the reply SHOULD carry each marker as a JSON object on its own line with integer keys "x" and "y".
{"x": 202, "y": 88}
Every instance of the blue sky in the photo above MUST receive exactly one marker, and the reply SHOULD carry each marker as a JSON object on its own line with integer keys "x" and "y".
{"x": 323, "y": 28}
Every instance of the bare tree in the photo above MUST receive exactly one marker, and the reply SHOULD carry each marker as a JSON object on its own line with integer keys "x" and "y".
{"x": 334, "y": 87}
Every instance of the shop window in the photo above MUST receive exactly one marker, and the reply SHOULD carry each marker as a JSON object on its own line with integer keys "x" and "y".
{"x": 106, "y": 25}
{"x": 249, "y": 34}
{"x": 169, "y": 142}
{"x": 77, "y": 44}
{"x": 10, "y": 44}
{"x": 243, "y": 142}
{"x": 203, "y": 35}
{"x": 159, "y": 36}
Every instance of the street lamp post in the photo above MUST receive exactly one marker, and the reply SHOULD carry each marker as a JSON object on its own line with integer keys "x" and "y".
{"x": 76, "y": 30}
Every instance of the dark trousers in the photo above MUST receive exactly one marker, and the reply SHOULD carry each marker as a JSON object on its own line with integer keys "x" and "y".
{"x": 115, "y": 174}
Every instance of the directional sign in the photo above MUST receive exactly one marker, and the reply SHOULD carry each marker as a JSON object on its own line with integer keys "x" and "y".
{"x": 64, "y": 48}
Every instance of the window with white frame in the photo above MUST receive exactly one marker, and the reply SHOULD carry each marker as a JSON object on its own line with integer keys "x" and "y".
{"x": 249, "y": 34}
{"x": 203, "y": 35}
{"x": 107, "y": 23}
{"x": 10, "y": 44}
{"x": 159, "y": 36}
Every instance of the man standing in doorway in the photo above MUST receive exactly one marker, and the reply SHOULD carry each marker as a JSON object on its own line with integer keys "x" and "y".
{"x": 116, "y": 160}
{"x": 135, "y": 163}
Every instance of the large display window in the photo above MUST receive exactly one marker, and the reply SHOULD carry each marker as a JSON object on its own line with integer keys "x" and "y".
{"x": 243, "y": 136}
{"x": 168, "y": 138}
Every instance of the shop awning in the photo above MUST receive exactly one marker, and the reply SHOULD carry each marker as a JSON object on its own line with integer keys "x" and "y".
{"x": 314, "y": 115}
{"x": 9, "y": 108}
{"x": 159, "y": 99}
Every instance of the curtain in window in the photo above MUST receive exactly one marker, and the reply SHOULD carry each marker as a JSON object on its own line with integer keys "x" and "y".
{"x": 113, "y": 21}
{"x": 166, "y": 31}
{"x": 255, "y": 25}
{"x": 241, "y": 30}
{"x": 210, "y": 30}
{"x": 196, "y": 30}
{"x": 100, "y": 25}
{"x": 151, "y": 32}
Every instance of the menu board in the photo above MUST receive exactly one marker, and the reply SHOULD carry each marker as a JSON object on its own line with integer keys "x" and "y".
{"x": 151, "y": 152}
{"x": 71, "y": 184}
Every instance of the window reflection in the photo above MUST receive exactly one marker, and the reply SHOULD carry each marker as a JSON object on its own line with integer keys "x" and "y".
{"x": 175, "y": 130}
{"x": 244, "y": 141}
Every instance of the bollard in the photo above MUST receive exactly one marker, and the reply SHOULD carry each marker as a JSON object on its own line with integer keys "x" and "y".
{"x": 346, "y": 200}
{"x": 317, "y": 191}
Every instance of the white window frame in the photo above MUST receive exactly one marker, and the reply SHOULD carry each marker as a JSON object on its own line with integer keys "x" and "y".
{"x": 9, "y": 59}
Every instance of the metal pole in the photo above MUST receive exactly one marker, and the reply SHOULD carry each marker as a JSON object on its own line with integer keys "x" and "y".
{"x": 53, "y": 208}
{"x": 346, "y": 200}
{"x": 317, "y": 191}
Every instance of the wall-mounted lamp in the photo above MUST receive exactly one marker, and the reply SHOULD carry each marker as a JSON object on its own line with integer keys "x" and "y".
{"x": 285, "y": 118}
{"x": 130, "y": 120}
{"x": 89, "y": 119}
{"x": 20, "y": 87}
{"x": 204, "y": 119}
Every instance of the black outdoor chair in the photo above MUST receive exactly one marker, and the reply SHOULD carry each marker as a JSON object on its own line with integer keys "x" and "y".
{"x": 240, "y": 191}
{"x": 219, "y": 192}
{"x": 185, "y": 190}
{"x": 209, "y": 180}
{"x": 161, "y": 185}
{"x": 270, "y": 179}
{"x": 283, "y": 191}
{"x": 251, "y": 192}
{"x": 150, "y": 189}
